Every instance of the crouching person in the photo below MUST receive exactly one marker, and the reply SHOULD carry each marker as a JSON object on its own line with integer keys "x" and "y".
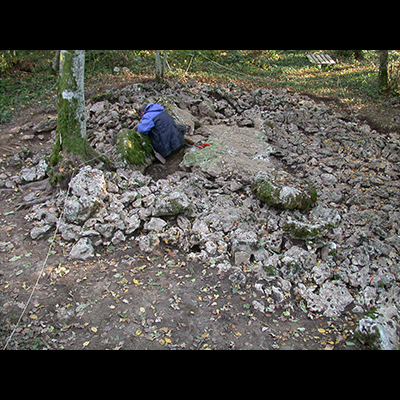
{"x": 165, "y": 135}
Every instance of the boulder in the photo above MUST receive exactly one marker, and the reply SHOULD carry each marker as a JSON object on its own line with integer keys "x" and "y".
{"x": 172, "y": 204}
{"x": 47, "y": 125}
{"x": 378, "y": 330}
{"x": 155, "y": 225}
{"x": 83, "y": 250}
{"x": 148, "y": 244}
{"x": 89, "y": 182}
{"x": 332, "y": 300}
{"x": 134, "y": 148}
{"x": 39, "y": 232}
{"x": 80, "y": 209}
{"x": 284, "y": 191}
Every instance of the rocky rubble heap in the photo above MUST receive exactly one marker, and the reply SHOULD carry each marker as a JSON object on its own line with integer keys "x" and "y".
{"x": 340, "y": 253}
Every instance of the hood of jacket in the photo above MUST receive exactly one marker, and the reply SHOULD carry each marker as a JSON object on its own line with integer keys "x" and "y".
{"x": 154, "y": 109}
{"x": 150, "y": 113}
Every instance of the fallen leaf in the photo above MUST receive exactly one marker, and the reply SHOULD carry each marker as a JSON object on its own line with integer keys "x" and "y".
{"x": 168, "y": 341}
{"x": 321, "y": 330}
{"x": 34, "y": 317}
{"x": 94, "y": 329}
{"x": 86, "y": 344}
{"x": 142, "y": 310}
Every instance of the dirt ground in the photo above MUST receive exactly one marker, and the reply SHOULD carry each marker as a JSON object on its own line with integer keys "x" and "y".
{"x": 126, "y": 300}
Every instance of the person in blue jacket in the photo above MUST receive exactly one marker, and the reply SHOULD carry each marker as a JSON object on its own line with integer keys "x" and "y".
{"x": 165, "y": 135}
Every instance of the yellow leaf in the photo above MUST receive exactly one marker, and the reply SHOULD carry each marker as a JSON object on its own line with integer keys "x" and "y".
{"x": 169, "y": 341}
{"x": 86, "y": 344}
{"x": 142, "y": 310}
{"x": 138, "y": 332}
{"x": 136, "y": 282}
{"x": 321, "y": 330}
{"x": 94, "y": 329}
{"x": 34, "y": 317}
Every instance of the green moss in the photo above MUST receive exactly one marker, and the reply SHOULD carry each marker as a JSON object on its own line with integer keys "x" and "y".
{"x": 285, "y": 197}
{"x": 111, "y": 97}
{"x": 177, "y": 207}
{"x": 370, "y": 338}
{"x": 71, "y": 137}
{"x": 134, "y": 148}
{"x": 265, "y": 192}
{"x": 198, "y": 158}
{"x": 270, "y": 270}
{"x": 302, "y": 231}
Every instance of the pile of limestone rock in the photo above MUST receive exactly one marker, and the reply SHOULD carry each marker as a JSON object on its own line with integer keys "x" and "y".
{"x": 337, "y": 251}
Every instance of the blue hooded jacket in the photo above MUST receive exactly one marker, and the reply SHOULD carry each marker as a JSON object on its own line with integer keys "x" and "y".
{"x": 150, "y": 113}
{"x": 162, "y": 130}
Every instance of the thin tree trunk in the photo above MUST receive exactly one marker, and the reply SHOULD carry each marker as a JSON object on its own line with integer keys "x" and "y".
{"x": 384, "y": 71}
{"x": 56, "y": 62}
{"x": 161, "y": 65}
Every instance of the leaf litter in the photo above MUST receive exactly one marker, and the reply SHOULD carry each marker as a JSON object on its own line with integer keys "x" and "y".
{"x": 141, "y": 308}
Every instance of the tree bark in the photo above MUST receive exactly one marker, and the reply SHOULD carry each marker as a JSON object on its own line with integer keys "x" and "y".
{"x": 359, "y": 55}
{"x": 384, "y": 71}
{"x": 161, "y": 65}
{"x": 56, "y": 62}
{"x": 71, "y": 137}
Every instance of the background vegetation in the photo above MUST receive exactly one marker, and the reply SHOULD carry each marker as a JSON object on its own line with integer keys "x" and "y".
{"x": 26, "y": 77}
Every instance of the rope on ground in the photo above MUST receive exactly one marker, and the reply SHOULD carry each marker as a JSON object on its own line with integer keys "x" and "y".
{"x": 40, "y": 273}
{"x": 48, "y": 253}
{"x": 255, "y": 77}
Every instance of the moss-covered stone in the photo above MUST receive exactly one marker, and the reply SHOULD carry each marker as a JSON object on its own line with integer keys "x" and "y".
{"x": 281, "y": 190}
{"x": 134, "y": 148}
{"x": 202, "y": 158}
{"x": 298, "y": 230}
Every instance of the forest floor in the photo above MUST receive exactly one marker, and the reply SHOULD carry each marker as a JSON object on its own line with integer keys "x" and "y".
{"x": 124, "y": 299}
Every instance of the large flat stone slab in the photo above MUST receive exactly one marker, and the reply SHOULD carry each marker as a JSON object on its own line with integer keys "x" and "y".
{"x": 233, "y": 150}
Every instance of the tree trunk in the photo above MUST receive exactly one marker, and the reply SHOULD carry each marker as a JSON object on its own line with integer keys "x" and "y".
{"x": 71, "y": 137}
{"x": 160, "y": 66}
{"x": 56, "y": 62}
{"x": 359, "y": 55}
{"x": 384, "y": 71}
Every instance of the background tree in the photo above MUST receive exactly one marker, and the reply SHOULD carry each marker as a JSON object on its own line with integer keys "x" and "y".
{"x": 55, "y": 65}
{"x": 161, "y": 63}
{"x": 359, "y": 54}
{"x": 384, "y": 70}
